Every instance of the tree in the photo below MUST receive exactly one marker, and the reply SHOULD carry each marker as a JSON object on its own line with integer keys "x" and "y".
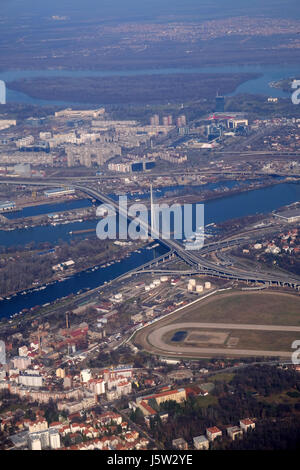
{"x": 137, "y": 416}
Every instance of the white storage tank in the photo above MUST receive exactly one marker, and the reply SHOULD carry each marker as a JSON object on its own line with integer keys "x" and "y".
{"x": 164, "y": 279}
{"x": 192, "y": 282}
{"x": 147, "y": 288}
{"x": 152, "y": 285}
{"x": 207, "y": 285}
{"x": 199, "y": 288}
{"x": 156, "y": 282}
{"x": 190, "y": 288}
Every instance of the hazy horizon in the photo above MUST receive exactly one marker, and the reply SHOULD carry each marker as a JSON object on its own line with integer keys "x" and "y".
{"x": 114, "y": 10}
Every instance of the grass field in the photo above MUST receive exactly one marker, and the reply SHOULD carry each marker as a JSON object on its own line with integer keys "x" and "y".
{"x": 222, "y": 377}
{"x": 279, "y": 398}
{"x": 236, "y": 308}
{"x": 267, "y": 340}
{"x": 209, "y": 400}
{"x": 245, "y": 339}
{"x": 259, "y": 308}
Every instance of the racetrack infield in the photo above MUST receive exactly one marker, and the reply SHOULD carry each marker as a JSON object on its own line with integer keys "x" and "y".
{"x": 232, "y": 324}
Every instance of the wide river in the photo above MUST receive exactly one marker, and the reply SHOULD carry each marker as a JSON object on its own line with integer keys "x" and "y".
{"x": 219, "y": 210}
{"x": 269, "y": 73}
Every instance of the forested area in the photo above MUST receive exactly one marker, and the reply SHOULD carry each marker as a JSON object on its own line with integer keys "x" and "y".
{"x": 20, "y": 270}
{"x": 283, "y": 434}
{"x": 132, "y": 89}
{"x": 244, "y": 396}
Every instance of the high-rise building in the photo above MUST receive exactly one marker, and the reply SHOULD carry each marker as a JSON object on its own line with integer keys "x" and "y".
{"x": 167, "y": 120}
{"x": 154, "y": 120}
{"x": 54, "y": 438}
{"x": 21, "y": 362}
{"x": 2, "y": 92}
{"x": 30, "y": 379}
{"x": 35, "y": 443}
{"x": 181, "y": 121}
{"x": 152, "y": 210}
{"x": 220, "y": 103}
{"x": 2, "y": 353}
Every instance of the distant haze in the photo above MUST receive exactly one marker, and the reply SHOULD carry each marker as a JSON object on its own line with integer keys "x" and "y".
{"x": 114, "y": 10}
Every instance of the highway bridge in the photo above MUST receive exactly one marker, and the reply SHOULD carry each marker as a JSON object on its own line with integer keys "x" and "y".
{"x": 192, "y": 258}
{"x": 196, "y": 260}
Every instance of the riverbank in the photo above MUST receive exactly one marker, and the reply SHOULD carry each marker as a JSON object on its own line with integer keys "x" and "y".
{"x": 73, "y": 286}
{"x": 99, "y": 255}
{"x": 211, "y": 195}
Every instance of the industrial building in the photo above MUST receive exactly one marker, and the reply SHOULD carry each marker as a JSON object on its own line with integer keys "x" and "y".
{"x": 59, "y": 192}
{"x": 7, "y": 206}
{"x": 289, "y": 216}
{"x": 131, "y": 167}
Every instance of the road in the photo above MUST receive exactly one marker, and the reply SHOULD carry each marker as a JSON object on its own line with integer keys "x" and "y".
{"x": 157, "y": 344}
{"x": 227, "y": 326}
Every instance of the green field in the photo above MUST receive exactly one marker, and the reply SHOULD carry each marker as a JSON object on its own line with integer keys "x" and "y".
{"x": 259, "y": 308}
{"x": 265, "y": 340}
{"x": 269, "y": 308}
{"x": 222, "y": 377}
{"x": 246, "y": 339}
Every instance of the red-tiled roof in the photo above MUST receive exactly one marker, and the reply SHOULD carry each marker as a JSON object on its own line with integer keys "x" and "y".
{"x": 213, "y": 430}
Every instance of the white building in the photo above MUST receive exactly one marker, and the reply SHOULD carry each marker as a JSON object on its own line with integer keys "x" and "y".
{"x": 30, "y": 379}
{"x": 54, "y": 439}
{"x": 247, "y": 424}
{"x": 23, "y": 351}
{"x": 124, "y": 388}
{"x": 234, "y": 432}
{"x": 25, "y": 141}
{"x": 59, "y": 192}
{"x": 201, "y": 443}
{"x": 34, "y": 443}
{"x": 38, "y": 440}
{"x": 97, "y": 386}
{"x": 6, "y": 123}
{"x": 21, "y": 363}
{"x": 39, "y": 425}
{"x": 213, "y": 433}
{"x": 85, "y": 375}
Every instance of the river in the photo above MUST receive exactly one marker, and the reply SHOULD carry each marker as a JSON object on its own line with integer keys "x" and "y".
{"x": 48, "y": 208}
{"x": 219, "y": 210}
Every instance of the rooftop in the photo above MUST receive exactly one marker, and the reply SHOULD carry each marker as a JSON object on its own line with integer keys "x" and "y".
{"x": 213, "y": 430}
{"x": 200, "y": 439}
{"x": 289, "y": 213}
